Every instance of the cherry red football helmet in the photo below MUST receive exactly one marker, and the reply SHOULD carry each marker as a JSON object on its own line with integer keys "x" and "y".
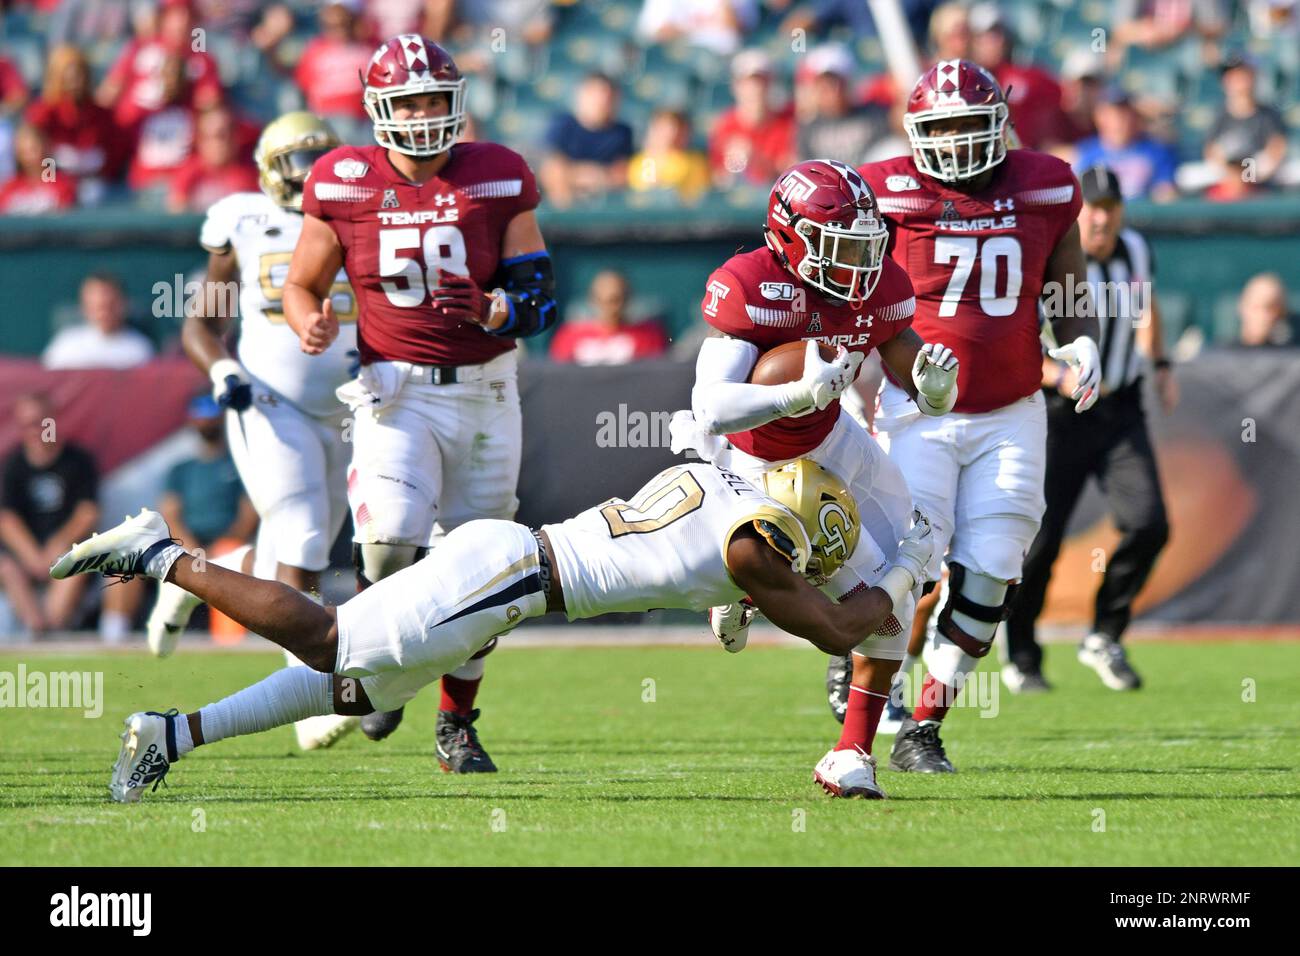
{"x": 410, "y": 64}
{"x": 824, "y": 227}
{"x": 948, "y": 90}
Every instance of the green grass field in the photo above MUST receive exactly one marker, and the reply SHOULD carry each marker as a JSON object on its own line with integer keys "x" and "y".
{"x": 715, "y": 770}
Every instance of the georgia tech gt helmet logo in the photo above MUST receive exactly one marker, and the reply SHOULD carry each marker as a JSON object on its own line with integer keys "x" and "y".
{"x": 836, "y": 525}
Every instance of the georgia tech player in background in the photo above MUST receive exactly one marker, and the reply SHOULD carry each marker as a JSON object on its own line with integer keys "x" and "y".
{"x": 822, "y": 276}
{"x": 424, "y": 227}
{"x": 694, "y": 536}
{"x": 286, "y": 428}
{"x": 983, "y": 233}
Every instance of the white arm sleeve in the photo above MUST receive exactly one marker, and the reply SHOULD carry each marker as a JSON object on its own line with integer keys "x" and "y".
{"x": 724, "y": 402}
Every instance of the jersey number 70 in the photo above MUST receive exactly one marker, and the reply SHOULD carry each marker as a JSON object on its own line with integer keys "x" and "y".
{"x": 965, "y": 250}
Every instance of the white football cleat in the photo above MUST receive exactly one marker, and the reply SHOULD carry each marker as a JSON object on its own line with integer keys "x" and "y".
{"x": 730, "y": 624}
{"x": 122, "y": 551}
{"x": 171, "y": 612}
{"x": 148, "y": 751}
{"x": 848, "y": 773}
{"x": 317, "y": 733}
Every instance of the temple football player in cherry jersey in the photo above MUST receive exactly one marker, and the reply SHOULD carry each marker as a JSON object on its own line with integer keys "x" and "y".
{"x": 440, "y": 242}
{"x": 984, "y": 233}
{"x": 822, "y": 276}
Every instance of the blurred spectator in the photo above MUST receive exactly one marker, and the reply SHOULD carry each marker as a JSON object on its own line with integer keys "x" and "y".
{"x": 752, "y": 141}
{"x": 1247, "y": 141}
{"x": 331, "y": 62}
{"x": 1033, "y": 95}
{"x": 830, "y": 125}
{"x": 13, "y": 94}
{"x": 204, "y": 504}
{"x": 164, "y": 137}
{"x": 215, "y": 170}
{"x": 87, "y": 22}
{"x": 430, "y": 18}
{"x": 46, "y": 505}
{"x": 1265, "y": 317}
{"x": 588, "y": 149}
{"x": 82, "y": 136}
{"x": 13, "y": 90}
{"x": 1083, "y": 80}
{"x": 472, "y": 22}
{"x": 38, "y": 186}
{"x": 103, "y": 340}
{"x": 137, "y": 85}
{"x": 666, "y": 160}
{"x": 1145, "y": 166}
{"x": 233, "y": 18}
{"x": 1274, "y": 18}
{"x": 949, "y": 39}
{"x": 820, "y": 16}
{"x": 1153, "y": 24}
{"x": 716, "y": 25}
{"x": 606, "y": 334}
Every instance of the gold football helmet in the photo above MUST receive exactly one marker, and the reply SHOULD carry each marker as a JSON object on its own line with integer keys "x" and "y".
{"x": 286, "y": 151}
{"x": 825, "y": 508}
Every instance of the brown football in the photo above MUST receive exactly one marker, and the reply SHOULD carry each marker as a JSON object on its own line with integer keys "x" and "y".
{"x": 785, "y": 363}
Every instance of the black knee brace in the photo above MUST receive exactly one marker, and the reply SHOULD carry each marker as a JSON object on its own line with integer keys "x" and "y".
{"x": 981, "y": 612}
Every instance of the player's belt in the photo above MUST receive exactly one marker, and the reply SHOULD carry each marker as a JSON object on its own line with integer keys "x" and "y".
{"x": 445, "y": 374}
{"x": 461, "y": 374}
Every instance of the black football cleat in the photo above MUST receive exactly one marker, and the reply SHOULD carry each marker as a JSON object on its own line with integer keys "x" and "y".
{"x": 378, "y": 724}
{"x": 839, "y": 675}
{"x": 458, "y": 748}
{"x": 918, "y": 749}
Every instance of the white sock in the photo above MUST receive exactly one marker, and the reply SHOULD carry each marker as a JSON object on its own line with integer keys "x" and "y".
{"x": 113, "y": 626}
{"x": 233, "y": 560}
{"x": 287, "y": 696}
{"x": 470, "y": 670}
{"x": 181, "y": 729}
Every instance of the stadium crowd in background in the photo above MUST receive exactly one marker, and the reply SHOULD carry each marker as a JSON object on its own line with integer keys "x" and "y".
{"x": 120, "y": 117}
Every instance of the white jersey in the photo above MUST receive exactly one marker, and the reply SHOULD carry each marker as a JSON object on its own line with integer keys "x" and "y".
{"x": 262, "y": 236}
{"x": 666, "y": 546}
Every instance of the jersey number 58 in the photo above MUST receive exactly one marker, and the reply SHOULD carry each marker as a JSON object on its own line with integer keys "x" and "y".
{"x": 441, "y": 248}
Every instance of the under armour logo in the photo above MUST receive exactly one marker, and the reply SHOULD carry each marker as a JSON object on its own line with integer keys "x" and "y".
{"x": 859, "y": 321}
{"x": 444, "y": 199}
{"x": 1004, "y": 205}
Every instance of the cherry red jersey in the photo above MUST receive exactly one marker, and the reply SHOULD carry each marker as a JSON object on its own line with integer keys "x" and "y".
{"x": 752, "y": 297}
{"x": 397, "y": 235}
{"x": 978, "y": 262}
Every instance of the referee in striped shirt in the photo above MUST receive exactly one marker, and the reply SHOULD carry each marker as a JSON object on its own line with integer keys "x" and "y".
{"x": 1110, "y": 443}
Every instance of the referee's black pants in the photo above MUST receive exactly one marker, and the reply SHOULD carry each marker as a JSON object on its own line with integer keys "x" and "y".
{"x": 1109, "y": 441}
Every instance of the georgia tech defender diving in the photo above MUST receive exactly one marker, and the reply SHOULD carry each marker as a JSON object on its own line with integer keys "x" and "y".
{"x": 285, "y": 426}
{"x": 694, "y": 537}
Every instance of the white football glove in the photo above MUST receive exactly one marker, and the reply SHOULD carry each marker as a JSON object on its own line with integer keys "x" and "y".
{"x": 826, "y": 381}
{"x": 934, "y": 373}
{"x": 1082, "y": 354}
{"x": 908, "y": 570}
{"x": 916, "y": 549}
{"x": 730, "y": 624}
{"x": 231, "y": 387}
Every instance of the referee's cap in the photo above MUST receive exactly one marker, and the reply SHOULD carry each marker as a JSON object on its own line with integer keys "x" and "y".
{"x": 1100, "y": 184}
